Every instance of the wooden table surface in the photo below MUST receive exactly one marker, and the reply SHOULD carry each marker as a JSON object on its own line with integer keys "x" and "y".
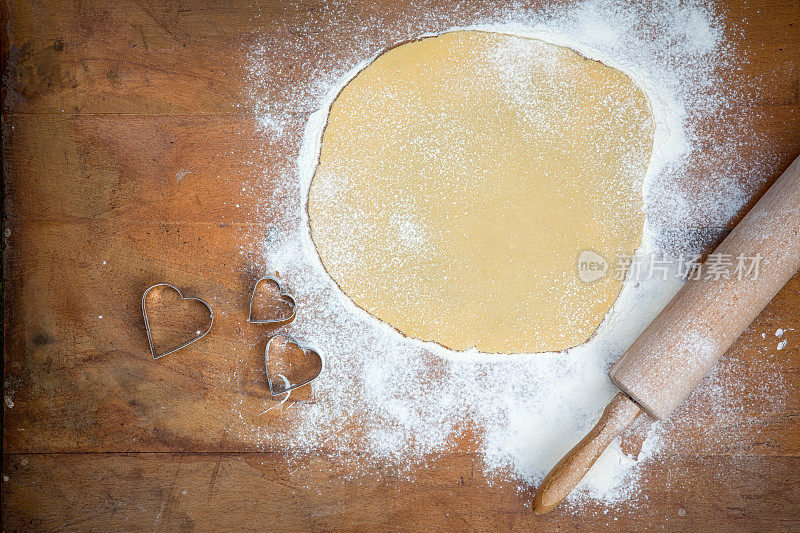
{"x": 106, "y": 105}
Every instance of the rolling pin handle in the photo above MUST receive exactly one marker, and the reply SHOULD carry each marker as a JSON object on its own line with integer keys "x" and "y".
{"x": 617, "y": 416}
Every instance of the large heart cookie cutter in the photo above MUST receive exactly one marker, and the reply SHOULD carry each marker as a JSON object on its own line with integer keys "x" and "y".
{"x": 147, "y": 321}
{"x": 308, "y": 355}
{"x": 283, "y": 299}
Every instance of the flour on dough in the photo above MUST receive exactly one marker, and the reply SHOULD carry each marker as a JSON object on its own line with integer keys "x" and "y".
{"x": 461, "y": 176}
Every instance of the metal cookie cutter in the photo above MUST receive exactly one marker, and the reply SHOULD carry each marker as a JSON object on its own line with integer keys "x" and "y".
{"x": 282, "y": 296}
{"x": 308, "y": 353}
{"x": 147, "y": 322}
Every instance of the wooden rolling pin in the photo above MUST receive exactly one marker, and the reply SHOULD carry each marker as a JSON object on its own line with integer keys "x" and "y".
{"x": 694, "y": 330}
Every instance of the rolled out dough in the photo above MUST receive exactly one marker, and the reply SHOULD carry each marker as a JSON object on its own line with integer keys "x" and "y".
{"x": 459, "y": 179}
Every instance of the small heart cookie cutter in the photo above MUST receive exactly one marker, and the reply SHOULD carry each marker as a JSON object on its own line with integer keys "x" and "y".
{"x": 290, "y": 340}
{"x": 147, "y": 322}
{"x": 285, "y": 297}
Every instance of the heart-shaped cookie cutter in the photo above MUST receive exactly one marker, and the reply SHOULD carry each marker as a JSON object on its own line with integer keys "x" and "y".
{"x": 147, "y": 322}
{"x": 285, "y": 297}
{"x": 290, "y": 340}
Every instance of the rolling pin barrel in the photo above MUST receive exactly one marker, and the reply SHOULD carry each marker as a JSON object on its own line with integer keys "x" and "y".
{"x": 695, "y": 329}
{"x": 707, "y": 315}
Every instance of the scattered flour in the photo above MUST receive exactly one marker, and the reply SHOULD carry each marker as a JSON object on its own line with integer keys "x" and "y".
{"x": 399, "y": 399}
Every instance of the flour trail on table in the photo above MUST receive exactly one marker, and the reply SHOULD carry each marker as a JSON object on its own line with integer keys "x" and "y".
{"x": 399, "y": 399}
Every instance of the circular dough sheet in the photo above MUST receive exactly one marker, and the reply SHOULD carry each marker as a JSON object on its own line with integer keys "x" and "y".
{"x": 459, "y": 179}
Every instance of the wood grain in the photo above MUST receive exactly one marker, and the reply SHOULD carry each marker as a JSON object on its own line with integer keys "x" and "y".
{"x": 172, "y": 491}
{"x": 129, "y": 137}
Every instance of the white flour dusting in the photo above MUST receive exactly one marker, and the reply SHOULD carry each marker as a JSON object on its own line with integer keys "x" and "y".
{"x": 399, "y": 399}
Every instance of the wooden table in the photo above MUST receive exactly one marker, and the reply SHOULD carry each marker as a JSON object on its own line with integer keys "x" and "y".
{"x": 129, "y": 154}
